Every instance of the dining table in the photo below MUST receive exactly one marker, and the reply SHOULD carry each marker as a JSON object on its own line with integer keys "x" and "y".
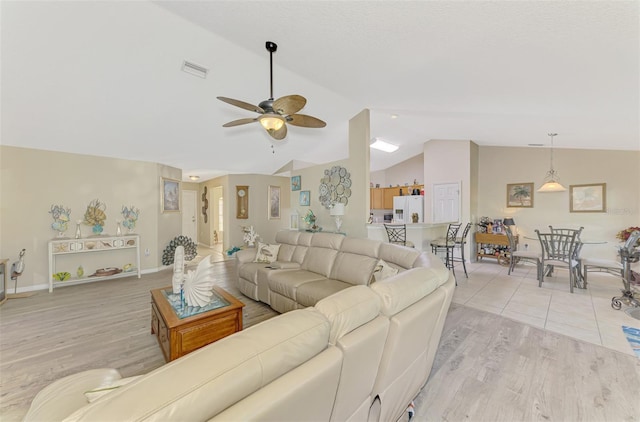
{"x": 577, "y": 249}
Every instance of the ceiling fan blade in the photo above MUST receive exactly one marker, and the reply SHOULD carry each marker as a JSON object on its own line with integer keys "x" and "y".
{"x": 241, "y": 104}
{"x": 305, "y": 121}
{"x": 278, "y": 134}
{"x": 240, "y": 122}
{"x": 289, "y": 104}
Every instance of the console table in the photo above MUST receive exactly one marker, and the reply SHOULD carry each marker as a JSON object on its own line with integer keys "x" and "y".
{"x": 498, "y": 245}
{"x": 98, "y": 244}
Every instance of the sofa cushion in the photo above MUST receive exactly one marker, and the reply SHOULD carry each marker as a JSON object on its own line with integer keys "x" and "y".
{"x": 286, "y": 252}
{"x": 368, "y": 247}
{"x": 308, "y": 294}
{"x": 304, "y": 239}
{"x": 327, "y": 240}
{"x": 405, "y": 289}
{"x": 290, "y": 237}
{"x": 286, "y": 282}
{"x": 319, "y": 260}
{"x": 348, "y": 310}
{"x": 299, "y": 253}
{"x": 353, "y": 268}
{"x": 398, "y": 255}
{"x": 249, "y": 270}
{"x": 267, "y": 253}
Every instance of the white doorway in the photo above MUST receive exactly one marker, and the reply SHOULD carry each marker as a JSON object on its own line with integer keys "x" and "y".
{"x": 446, "y": 202}
{"x": 189, "y": 220}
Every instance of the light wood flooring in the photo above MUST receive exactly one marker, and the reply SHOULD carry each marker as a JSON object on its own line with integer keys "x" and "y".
{"x": 488, "y": 368}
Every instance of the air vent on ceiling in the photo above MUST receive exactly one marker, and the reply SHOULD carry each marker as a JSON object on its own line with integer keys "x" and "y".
{"x": 195, "y": 69}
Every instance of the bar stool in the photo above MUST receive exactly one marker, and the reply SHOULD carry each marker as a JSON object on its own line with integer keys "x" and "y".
{"x": 397, "y": 233}
{"x": 447, "y": 246}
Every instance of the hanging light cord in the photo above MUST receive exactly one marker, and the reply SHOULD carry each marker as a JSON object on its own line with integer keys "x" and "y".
{"x": 552, "y": 135}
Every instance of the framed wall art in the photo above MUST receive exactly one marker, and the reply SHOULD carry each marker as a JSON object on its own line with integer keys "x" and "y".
{"x": 305, "y": 198}
{"x": 274, "y": 202}
{"x": 296, "y": 183}
{"x": 520, "y": 195}
{"x": 588, "y": 198}
{"x": 170, "y": 195}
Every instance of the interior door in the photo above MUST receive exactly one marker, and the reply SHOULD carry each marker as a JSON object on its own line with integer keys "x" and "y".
{"x": 446, "y": 202}
{"x": 189, "y": 220}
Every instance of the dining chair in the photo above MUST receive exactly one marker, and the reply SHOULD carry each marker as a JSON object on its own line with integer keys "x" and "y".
{"x": 517, "y": 256}
{"x": 447, "y": 245}
{"x": 558, "y": 250}
{"x": 579, "y": 278}
{"x": 397, "y": 234}
{"x": 600, "y": 265}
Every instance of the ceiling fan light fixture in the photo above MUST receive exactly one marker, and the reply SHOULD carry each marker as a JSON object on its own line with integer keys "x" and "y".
{"x": 271, "y": 122}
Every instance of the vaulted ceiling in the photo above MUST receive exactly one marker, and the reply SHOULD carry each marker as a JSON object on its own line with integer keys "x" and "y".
{"x": 104, "y": 78}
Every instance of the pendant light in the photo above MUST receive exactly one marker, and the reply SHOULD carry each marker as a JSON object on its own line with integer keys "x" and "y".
{"x": 551, "y": 180}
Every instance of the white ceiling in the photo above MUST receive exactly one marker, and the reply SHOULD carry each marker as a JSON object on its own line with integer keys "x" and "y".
{"x": 104, "y": 78}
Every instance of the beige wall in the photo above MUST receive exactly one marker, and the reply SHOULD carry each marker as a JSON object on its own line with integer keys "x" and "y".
{"x": 34, "y": 180}
{"x": 620, "y": 170}
{"x": 357, "y": 210}
{"x": 449, "y": 162}
{"x": 402, "y": 173}
{"x": 258, "y": 204}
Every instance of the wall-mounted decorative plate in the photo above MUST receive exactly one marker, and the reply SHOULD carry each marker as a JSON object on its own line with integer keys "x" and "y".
{"x": 335, "y": 186}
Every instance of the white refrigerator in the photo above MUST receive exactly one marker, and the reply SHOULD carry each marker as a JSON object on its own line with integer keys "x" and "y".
{"x": 405, "y": 206}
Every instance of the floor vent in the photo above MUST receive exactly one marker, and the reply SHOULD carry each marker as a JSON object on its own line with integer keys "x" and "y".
{"x": 195, "y": 69}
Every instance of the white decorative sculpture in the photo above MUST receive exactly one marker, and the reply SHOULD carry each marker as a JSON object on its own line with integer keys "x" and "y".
{"x": 178, "y": 269}
{"x": 195, "y": 285}
{"x": 198, "y": 284}
{"x": 250, "y": 235}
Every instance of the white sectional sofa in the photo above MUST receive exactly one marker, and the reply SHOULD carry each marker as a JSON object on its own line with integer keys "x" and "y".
{"x": 362, "y": 353}
{"x": 311, "y": 266}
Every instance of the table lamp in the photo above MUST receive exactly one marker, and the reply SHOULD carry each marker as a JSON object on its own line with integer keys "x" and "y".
{"x": 509, "y": 222}
{"x": 337, "y": 211}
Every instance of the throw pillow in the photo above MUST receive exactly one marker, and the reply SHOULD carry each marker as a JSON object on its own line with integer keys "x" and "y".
{"x": 383, "y": 270}
{"x": 267, "y": 253}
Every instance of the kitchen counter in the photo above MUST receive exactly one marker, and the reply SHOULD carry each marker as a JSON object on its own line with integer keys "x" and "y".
{"x": 421, "y": 234}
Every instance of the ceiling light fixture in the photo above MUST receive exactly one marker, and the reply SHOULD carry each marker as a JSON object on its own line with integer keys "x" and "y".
{"x": 551, "y": 180}
{"x": 194, "y": 177}
{"x": 271, "y": 122}
{"x": 381, "y": 145}
{"x": 394, "y": 116}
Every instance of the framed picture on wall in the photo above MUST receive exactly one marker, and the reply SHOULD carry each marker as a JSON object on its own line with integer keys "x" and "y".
{"x": 170, "y": 195}
{"x": 520, "y": 195}
{"x": 274, "y": 202}
{"x": 296, "y": 183}
{"x": 588, "y": 198}
{"x": 305, "y": 198}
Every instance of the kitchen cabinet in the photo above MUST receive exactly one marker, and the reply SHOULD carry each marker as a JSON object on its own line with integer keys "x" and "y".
{"x": 389, "y": 193}
{"x": 377, "y": 195}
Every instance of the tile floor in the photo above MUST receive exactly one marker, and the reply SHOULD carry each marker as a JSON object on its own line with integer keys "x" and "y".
{"x": 586, "y": 314}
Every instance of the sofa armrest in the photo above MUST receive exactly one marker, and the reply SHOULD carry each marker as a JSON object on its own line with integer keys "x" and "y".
{"x": 284, "y": 265}
{"x": 246, "y": 255}
{"x": 66, "y": 395}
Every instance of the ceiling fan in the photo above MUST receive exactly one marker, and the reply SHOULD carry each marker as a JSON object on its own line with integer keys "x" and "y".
{"x": 274, "y": 114}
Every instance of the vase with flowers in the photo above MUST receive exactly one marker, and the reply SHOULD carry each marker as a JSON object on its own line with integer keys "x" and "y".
{"x": 623, "y": 235}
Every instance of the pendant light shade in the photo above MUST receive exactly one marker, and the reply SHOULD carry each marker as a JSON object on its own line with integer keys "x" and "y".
{"x": 551, "y": 180}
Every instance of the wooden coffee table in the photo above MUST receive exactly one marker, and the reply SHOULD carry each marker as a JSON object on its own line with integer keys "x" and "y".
{"x": 182, "y": 329}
